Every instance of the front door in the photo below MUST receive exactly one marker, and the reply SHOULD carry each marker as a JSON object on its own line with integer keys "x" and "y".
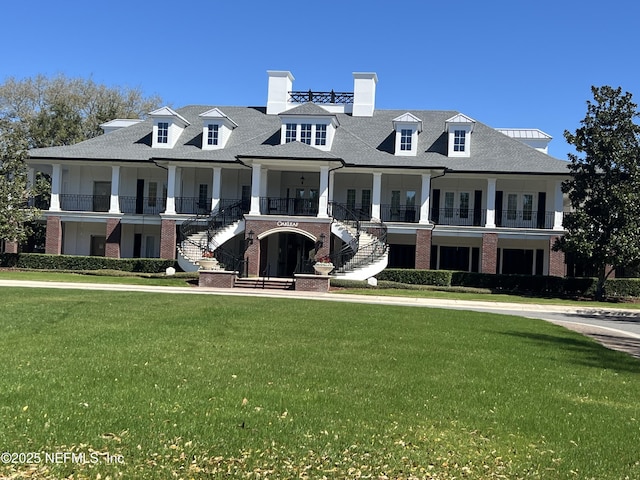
{"x": 97, "y": 245}
{"x": 101, "y": 196}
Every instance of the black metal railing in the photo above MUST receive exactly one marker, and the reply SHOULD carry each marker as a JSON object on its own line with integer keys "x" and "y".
{"x": 399, "y": 213}
{"x": 321, "y": 97}
{"x": 85, "y": 203}
{"x": 232, "y": 262}
{"x": 353, "y": 255}
{"x": 141, "y": 205}
{"x": 525, "y": 219}
{"x": 225, "y": 215}
{"x": 288, "y": 206}
{"x": 458, "y": 217}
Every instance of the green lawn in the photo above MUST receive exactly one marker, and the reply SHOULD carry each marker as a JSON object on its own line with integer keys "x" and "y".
{"x": 230, "y": 387}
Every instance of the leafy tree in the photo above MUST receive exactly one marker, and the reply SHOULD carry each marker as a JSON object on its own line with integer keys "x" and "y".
{"x": 604, "y": 190}
{"x": 46, "y": 112}
{"x": 16, "y": 214}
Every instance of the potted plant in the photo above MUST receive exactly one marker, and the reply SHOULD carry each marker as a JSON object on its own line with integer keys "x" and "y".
{"x": 207, "y": 262}
{"x": 323, "y": 265}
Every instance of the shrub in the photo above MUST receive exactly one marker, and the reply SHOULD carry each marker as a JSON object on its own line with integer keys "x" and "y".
{"x": 417, "y": 277}
{"x": 622, "y": 287}
{"x": 38, "y": 261}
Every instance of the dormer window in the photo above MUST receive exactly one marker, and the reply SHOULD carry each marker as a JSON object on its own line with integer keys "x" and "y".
{"x": 407, "y": 128}
{"x": 216, "y": 129}
{"x": 321, "y": 134}
{"x": 167, "y": 127}
{"x": 459, "y": 129}
{"x": 212, "y": 133}
{"x": 459, "y": 140}
{"x": 163, "y": 132}
{"x": 305, "y": 133}
{"x": 405, "y": 139}
{"x": 290, "y": 134}
{"x": 308, "y": 124}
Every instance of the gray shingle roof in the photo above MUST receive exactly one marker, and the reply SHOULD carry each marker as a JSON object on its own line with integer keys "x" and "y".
{"x": 359, "y": 142}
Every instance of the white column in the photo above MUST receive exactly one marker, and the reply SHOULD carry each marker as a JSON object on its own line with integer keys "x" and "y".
{"x": 376, "y": 195}
{"x": 31, "y": 177}
{"x": 323, "y": 200}
{"x": 256, "y": 177}
{"x": 215, "y": 188}
{"x": 332, "y": 181}
{"x": 56, "y": 182}
{"x": 558, "y": 207}
{"x": 425, "y": 197}
{"x": 170, "y": 208}
{"x": 491, "y": 203}
{"x": 114, "y": 204}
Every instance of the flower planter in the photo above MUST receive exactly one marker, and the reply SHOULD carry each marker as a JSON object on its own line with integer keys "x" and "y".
{"x": 323, "y": 268}
{"x": 207, "y": 263}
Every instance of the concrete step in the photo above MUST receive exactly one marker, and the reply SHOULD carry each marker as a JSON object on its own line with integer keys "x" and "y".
{"x": 265, "y": 283}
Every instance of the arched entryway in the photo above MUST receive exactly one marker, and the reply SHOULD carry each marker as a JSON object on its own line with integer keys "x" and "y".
{"x": 283, "y": 253}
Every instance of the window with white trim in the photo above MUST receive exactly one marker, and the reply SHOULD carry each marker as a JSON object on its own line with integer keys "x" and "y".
{"x": 305, "y": 133}
{"x": 464, "y": 204}
{"x": 405, "y": 139}
{"x": 459, "y": 140}
{"x": 212, "y": 134}
{"x": 163, "y": 132}
{"x": 290, "y": 132}
{"x": 321, "y": 134}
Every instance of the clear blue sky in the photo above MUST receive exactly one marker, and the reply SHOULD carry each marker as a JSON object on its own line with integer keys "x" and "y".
{"x": 505, "y": 63}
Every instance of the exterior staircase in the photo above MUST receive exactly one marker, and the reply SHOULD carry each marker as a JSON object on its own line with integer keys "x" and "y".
{"x": 365, "y": 252}
{"x": 202, "y": 234}
{"x": 264, "y": 283}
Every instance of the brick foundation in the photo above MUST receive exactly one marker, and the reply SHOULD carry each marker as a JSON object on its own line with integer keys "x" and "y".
{"x": 217, "y": 279}
{"x": 489, "y": 253}
{"x": 168, "y": 239}
{"x": 557, "y": 265}
{"x": 53, "y": 242}
{"x": 114, "y": 234}
{"x": 312, "y": 283}
{"x": 423, "y": 249}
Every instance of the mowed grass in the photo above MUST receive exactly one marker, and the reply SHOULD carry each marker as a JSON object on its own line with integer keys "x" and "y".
{"x": 220, "y": 387}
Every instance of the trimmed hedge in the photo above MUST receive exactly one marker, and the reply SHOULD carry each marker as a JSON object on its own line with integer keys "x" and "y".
{"x": 39, "y": 261}
{"x": 440, "y": 278}
{"x": 532, "y": 284}
{"x": 622, "y": 287}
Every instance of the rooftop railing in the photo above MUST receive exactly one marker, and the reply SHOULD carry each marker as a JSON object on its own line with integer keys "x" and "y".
{"x": 321, "y": 97}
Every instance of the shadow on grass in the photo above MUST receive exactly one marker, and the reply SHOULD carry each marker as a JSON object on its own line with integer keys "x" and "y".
{"x": 589, "y": 352}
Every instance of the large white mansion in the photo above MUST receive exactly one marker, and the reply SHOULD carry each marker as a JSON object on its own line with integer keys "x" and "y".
{"x": 311, "y": 174}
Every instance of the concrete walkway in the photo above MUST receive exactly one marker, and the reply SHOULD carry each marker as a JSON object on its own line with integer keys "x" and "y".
{"x": 615, "y": 328}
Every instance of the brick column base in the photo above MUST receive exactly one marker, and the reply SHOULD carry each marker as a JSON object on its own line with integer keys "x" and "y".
{"x": 312, "y": 283}
{"x": 423, "y": 249}
{"x": 10, "y": 247}
{"x": 557, "y": 266}
{"x": 489, "y": 253}
{"x": 217, "y": 279}
{"x": 53, "y": 242}
{"x": 168, "y": 239}
{"x": 114, "y": 233}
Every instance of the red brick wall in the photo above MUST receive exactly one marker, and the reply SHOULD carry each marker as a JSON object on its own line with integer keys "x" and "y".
{"x": 312, "y": 283}
{"x": 114, "y": 233}
{"x": 168, "y": 239}
{"x": 217, "y": 279}
{"x": 53, "y": 242}
{"x": 423, "y": 249}
{"x": 489, "y": 253}
{"x": 557, "y": 266}
{"x": 261, "y": 226}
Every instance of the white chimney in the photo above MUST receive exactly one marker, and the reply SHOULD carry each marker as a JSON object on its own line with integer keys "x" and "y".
{"x": 280, "y": 84}
{"x": 364, "y": 93}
